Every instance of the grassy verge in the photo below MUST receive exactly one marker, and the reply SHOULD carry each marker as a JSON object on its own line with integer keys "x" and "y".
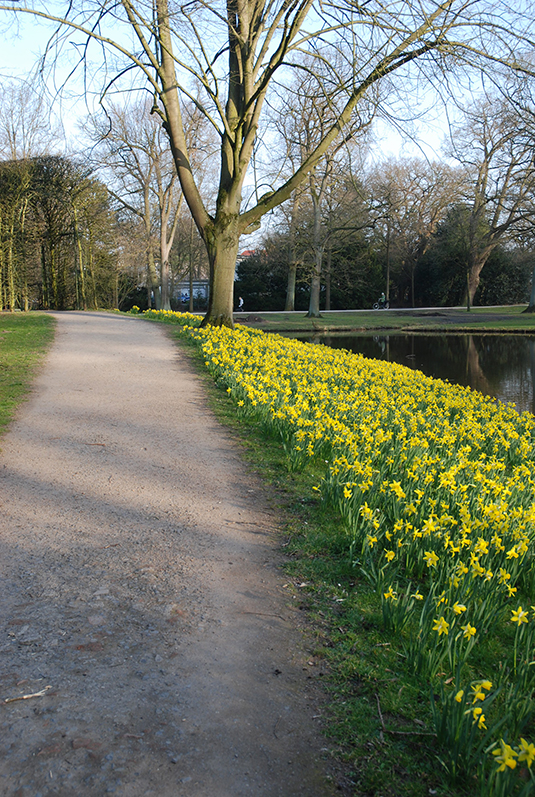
{"x": 378, "y": 721}
{"x": 24, "y": 338}
{"x": 480, "y": 319}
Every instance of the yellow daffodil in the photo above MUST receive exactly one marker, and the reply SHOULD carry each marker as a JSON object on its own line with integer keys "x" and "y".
{"x": 479, "y": 717}
{"x": 519, "y": 616}
{"x": 469, "y": 631}
{"x": 431, "y": 558}
{"x": 527, "y": 752}
{"x": 505, "y": 756}
{"x": 441, "y": 626}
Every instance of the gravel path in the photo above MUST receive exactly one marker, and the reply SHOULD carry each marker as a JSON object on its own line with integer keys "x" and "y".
{"x": 140, "y": 589}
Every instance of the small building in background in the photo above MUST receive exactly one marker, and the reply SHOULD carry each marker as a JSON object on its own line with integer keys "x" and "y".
{"x": 200, "y": 292}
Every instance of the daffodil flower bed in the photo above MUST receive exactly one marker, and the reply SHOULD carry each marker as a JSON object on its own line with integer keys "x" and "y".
{"x": 435, "y": 485}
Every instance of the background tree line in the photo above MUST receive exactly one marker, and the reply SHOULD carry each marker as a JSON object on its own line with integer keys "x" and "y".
{"x": 103, "y": 228}
{"x": 426, "y": 233}
{"x": 244, "y": 65}
{"x": 56, "y": 236}
{"x": 110, "y": 228}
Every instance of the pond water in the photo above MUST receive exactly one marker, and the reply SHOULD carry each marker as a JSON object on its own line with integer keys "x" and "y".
{"x": 502, "y": 366}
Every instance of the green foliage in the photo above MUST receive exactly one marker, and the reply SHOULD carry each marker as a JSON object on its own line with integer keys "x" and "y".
{"x": 441, "y": 275}
{"x": 354, "y": 274}
{"x": 261, "y": 281}
{"x": 56, "y": 237}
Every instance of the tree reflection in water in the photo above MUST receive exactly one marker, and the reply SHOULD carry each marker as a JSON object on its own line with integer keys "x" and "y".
{"x": 502, "y": 366}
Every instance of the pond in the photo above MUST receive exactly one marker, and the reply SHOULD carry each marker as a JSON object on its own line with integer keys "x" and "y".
{"x": 502, "y": 366}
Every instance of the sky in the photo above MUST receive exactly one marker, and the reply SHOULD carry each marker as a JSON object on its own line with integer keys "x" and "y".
{"x": 20, "y": 54}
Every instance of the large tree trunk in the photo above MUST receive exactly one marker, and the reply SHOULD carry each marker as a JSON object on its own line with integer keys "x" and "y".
{"x": 476, "y": 262}
{"x": 166, "y": 304}
{"x": 164, "y": 254}
{"x": 222, "y": 253}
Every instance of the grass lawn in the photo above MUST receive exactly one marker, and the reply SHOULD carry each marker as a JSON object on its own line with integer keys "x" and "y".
{"x": 24, "y": 339}
{"x": 480, "y": 319}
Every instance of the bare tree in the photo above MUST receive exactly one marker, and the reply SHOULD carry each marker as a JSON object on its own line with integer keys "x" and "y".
{"x": 26, "y": 127}
{"x": 495, "y": 147}
{"x": 310, "y": 114}
{"x": 410, "y": 197}
{"x": 234, "y": 51}
{"x": 132, "y": 151}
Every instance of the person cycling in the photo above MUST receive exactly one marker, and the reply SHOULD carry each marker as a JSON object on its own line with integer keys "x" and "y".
{"x": 382, "y": 303}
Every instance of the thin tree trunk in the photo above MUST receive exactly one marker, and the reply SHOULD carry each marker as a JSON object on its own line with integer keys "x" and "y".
{"x": 328, "y": 279}
{"x": 315, "y": 288}
{"x": 387, "y": 292}
{"x": 24, "y": 270}
{"x": 11, "y": 298}
{"x": 44, "y": 278}
{"x": 290, "y": 286}
{"x": 81, "y": 299}
{"x": 531, "y": 306}
{"x": 2, "y": 262}
{"x": 292, "y": 267}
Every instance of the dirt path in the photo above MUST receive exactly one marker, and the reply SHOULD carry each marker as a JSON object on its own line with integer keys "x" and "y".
{"x": 139, "y": 588}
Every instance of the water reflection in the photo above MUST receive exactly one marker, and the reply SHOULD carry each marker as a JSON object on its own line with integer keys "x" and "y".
{"x": 497, "y": 365}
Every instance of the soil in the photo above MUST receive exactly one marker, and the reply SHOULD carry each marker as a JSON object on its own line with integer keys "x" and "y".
{"x": 143, "y": 614}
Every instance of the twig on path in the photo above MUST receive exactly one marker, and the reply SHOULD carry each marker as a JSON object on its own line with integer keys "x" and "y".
{"x": 95, "y": 444}
{"x": 265, "y": 614}
{"x": 251, "y": 523}
{"x": 27, "y": 697}
{"x": 411, "y": 733}
{"x": 381, "y": 736}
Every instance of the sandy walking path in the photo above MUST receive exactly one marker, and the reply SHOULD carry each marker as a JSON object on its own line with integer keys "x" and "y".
{"x": 139, "y": 587}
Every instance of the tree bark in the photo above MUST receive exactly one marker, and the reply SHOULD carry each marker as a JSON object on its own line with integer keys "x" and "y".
{"x": 328, "y": 279}
{"x": 477, "y": 261}
{"x": 222, "y": 253}
{"x": 290, "y": 286}
{"x": 315, "y": 288}
{"x": 292, "y": 267}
